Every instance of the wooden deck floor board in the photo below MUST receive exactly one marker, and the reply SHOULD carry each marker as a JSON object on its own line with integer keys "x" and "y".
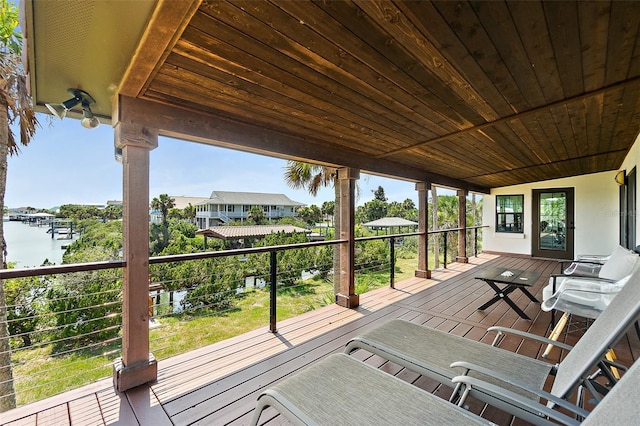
{"x": 219, "y": 384}
{"x": 85, "y": 411}
{"x": 275, "y": 367}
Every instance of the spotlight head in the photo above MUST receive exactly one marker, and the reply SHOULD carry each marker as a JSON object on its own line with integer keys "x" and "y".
{"x": 79, "y": 97}
{"x": 90, "y": 123}
{"x": 58, "y": 110}
{"x": 88, "y": 119}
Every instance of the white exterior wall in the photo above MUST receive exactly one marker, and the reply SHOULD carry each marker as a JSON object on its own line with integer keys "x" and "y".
{"x": 631, "y": 161}
{"x": 596, "y": 215}
{"x": 597, "y": 211}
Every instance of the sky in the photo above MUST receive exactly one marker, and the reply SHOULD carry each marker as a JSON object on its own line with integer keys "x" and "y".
{"x": 66, "y": 163}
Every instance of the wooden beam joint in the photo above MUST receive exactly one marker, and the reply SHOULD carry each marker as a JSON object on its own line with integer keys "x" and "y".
{"x": 130, "y": 134}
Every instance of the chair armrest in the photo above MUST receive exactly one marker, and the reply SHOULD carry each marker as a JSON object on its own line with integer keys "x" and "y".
{"x": 584, "y": 261}
{"x": 614, "y": 364}
{"x": 584, "y": 277}
{"x": 468, "y": 366}
{"x": 525, "y": 403}
{"x": 578, "y": 278}
{"x": 502, "y": 330}
{"x": 583, "y": 267}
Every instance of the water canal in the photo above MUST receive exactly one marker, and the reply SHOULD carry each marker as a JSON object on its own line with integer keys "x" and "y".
{"x": 29, "y": 246}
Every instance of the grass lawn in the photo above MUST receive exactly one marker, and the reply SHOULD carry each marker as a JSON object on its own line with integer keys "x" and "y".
{"x": 39, "y": 375}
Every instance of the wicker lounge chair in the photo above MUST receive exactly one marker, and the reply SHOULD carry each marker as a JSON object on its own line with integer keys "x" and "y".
{"x": 431, "y": 353}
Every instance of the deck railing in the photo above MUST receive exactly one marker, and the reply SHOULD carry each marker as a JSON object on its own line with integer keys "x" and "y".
{"x": 65, "y": 326}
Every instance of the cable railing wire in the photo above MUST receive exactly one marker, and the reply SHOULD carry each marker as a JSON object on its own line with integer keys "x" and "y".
{"x": 173, "y": 297}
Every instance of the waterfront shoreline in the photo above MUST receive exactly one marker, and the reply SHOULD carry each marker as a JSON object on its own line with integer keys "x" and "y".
{"x": 30, "y": 246}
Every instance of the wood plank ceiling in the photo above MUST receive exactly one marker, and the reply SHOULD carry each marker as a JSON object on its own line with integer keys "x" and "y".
{"x": 485, "y": 94}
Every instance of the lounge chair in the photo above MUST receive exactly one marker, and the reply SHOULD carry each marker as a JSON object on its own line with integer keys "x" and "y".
{"x": 587, "y": 296}
{"x": 431, "y": 353}
{"x": 619, "y": 265}
{"x": 587, "y": 265}
{"x": 340, "y": 390}
{"x": 590, "y": 265}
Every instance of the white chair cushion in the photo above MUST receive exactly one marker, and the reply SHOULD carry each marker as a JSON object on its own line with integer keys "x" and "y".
{"x": 619, "y": 265}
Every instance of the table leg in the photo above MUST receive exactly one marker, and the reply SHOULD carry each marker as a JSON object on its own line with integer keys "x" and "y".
{"x": 504, "y": 295}
{"x": 529, "y": 295}
{"x": 495, "y": 298}
{"x": 514, "y": 306}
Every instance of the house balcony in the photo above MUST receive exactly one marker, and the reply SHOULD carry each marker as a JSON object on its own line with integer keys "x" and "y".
{"x": 219, "y": 383}
{"x": 384, "y": 88}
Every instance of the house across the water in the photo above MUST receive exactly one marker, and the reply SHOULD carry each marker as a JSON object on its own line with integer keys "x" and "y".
{"x": 225, "y": 206}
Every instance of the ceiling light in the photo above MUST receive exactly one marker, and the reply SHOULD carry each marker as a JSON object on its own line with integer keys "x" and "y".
{"x": 79, "y": 97}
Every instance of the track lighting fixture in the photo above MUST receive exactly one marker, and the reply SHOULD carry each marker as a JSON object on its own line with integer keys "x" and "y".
{"x": 79, "y": 97}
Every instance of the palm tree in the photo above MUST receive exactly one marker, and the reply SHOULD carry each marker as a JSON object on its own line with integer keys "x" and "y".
{"x": 164, "y": 203}
{"x": 256, "y": 214}
{"x": 312, "y": 177}
{"x": 328, "y": 209}
{"x": 190, "y": 213}
{"x": 16, "y": 107}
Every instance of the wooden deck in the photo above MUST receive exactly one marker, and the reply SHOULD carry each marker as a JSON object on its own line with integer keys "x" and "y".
{"x": 219, "y": 384}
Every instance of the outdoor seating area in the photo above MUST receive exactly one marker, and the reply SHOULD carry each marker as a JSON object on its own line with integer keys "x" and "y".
{"x": 221, "y": 383}
{"x": 478, "y": 98}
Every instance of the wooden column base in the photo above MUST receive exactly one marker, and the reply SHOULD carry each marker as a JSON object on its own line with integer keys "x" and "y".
{"x": 125, "y": 378}
{"x": 348, "y": 301}
{"x": 423, "y": 273}
{"x": 462, "y": 259}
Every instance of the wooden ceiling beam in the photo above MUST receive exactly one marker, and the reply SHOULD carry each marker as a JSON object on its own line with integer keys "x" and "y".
{"x": 518, "y": 116}
{"x": 221, "y": 131}
{"x": 567, "y": 164}
{"x": 165, "y": 27}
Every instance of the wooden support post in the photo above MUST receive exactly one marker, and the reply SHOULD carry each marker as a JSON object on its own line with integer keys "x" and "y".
{"x": 462, "y": 224}
{"x": 347, "y": 182}
{"x": 136, "y": 366}
{"x": 423, "y": 271}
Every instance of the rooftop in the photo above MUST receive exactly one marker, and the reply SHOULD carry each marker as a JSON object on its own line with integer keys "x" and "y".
{"x": 250, "y": 198}
{"x": 252, "y": 231}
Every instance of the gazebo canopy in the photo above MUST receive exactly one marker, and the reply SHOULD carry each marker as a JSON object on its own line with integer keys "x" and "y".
{"x": 253, "y": 231}
{"x": 388, "y": 222}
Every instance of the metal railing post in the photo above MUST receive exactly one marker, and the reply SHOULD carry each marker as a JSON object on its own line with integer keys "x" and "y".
{"x": 392, "y": 261}
{"x": 273, "y": 269}
{"x": 475, "y": 242}
{"x": 446, "y": 245}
